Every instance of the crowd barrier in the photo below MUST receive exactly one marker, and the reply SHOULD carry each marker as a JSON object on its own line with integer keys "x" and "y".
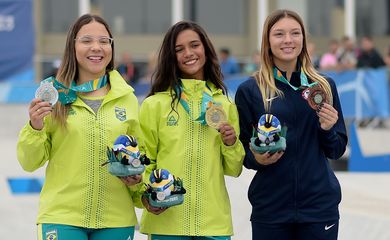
{"x": 363, "y": 93}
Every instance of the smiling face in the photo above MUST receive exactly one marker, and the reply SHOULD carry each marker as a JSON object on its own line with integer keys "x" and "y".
{"x": 286, "y": 41}
{"x": 190, "y": 55}
{"x": 92, "y": 58}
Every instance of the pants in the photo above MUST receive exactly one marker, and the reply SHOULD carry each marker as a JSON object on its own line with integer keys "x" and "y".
{"x": 67, "y": 232}
{"x": 296, "y": 231}
{"x": 168, "y": 237}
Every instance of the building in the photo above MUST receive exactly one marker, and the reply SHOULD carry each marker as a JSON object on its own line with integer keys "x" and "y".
{"x": 139, "y": 25}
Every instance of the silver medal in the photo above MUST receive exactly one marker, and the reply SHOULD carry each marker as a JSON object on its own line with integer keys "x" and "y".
{"x": 47, "y": 93}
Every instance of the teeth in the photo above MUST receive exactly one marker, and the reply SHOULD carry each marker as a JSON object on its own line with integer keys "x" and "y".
{"x": 190, "y": 62}
{"x": 95, "y": 58}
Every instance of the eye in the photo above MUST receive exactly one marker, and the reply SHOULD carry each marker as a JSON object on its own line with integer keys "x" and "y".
{"x": 105, "y": 41}
{"x": 86, "y": 40}
{"x": 278, "y": 34}
{"x": 178, "y": 49}
{"x": 195, "y": 45}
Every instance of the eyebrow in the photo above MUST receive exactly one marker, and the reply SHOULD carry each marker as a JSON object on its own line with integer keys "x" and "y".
{"x": 193, "y": 41}
{"x": 294, "y": 29}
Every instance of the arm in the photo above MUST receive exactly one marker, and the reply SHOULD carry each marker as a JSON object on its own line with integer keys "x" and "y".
{"x": 134, "y": 129}
{"x": 33, "y": 148}
{"x": 149, "y": 128}
{"x": 233, "y": 154}
{"x": 334, "y": 140}
{"x": 244, "y": 104}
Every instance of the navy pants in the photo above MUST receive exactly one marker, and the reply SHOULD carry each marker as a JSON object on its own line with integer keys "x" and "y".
{"x": 295, "y": 231}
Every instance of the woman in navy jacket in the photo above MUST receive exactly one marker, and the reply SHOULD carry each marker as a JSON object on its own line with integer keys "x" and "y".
{"x": 294, "y": 194}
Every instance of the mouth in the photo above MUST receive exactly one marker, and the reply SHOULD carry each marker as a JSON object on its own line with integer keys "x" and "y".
{"x": 190, "y": 62}
{"x": 95, "y": 58}
{"x": 288, "y": 49}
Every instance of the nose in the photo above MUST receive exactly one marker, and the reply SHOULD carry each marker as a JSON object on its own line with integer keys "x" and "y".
{"x": 95, "y": 45}
{"x": 187, "y": 52}
{"x": 287, "y": 37}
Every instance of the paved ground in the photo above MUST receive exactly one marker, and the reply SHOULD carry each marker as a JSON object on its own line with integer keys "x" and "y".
{"x": 365, "y": 209}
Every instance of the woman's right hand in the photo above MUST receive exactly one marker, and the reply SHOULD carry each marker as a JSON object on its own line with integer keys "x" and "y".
{"x": 37, "y": 110}
{"x": 267, "y": 158}
{"x": 150, "y": 208}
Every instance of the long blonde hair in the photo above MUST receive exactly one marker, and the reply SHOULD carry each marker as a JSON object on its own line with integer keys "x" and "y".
{"x": 68, "y": 70}
{"x": 265, "y": 78}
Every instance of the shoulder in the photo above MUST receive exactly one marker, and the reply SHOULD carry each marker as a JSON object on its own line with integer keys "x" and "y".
{"x": 330, "y": 80}
{"x": 160, "y": 98}
{"x": 118, "y": 83}
{"x": 248, "y": 85}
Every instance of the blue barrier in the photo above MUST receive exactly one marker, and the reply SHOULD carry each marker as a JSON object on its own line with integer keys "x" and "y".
{"x": 359, "y": 163}
{"x": 25, "y": 185}
{"x": 363, "y": 93}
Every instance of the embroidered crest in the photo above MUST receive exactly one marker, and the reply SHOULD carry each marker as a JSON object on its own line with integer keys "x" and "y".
{"x": 172, "y": 121}
{"x": 120, "y": 113}
{"x": 71, "y": 111}
{"x": 52, "y": 235}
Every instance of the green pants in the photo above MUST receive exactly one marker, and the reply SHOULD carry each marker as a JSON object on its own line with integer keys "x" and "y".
{"x": 168, "y": 237}
{"x": 67, "y": 232}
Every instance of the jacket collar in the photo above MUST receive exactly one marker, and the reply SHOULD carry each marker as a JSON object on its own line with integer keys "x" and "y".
{"x": 118, "y": 88}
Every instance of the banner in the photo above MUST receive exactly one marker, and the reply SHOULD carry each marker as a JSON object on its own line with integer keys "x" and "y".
{"x": 363, "y": 92}
{"x": 17, "y": 39}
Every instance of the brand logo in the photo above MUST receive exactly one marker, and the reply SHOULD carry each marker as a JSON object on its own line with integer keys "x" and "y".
{"x": 172, "y": 121}
{"x": 329, "y": 227}
{"x": 52, "y": 235}
{"x": 71, "y": 111}
{"x": 270, "y": 99}
{"x": 120, "y": 113}
{"x": 7, "y": 23}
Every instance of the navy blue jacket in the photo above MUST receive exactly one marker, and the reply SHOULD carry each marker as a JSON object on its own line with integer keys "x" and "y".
{"x": 300, "y": 186}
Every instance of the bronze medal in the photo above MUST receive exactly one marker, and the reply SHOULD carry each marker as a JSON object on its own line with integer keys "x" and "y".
{"x": 316, "y": 97}
{"x": 215, "y": 116}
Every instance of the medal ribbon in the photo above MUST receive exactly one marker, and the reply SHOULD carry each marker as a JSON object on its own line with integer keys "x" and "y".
{"x": 67, "y": 95}
{"x": 304, "y": 82}
{"x": 206, "y": 99}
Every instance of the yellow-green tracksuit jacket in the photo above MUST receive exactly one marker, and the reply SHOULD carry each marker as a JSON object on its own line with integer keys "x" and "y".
{"x": 77, "y": 189}
{"x": 197, "y": 155}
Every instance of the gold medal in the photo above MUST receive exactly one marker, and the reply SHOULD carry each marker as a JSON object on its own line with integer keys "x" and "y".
{"x": 215, "y": 116}
{"x": 316, "y": 97}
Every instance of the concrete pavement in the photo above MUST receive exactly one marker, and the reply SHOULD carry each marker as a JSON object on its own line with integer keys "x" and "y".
{"x": 365, "y": 208}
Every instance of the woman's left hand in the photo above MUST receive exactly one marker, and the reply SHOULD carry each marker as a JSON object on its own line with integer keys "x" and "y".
{"x": 131, "y": 180}
{"x": 328, "y": 116}
{"x": 228, "y": 134}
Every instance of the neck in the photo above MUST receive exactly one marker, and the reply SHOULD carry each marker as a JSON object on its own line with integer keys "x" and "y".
{"x": 83, "y": 78}
{"x": 289, "y": 68}
{"x": 98, "y": 92}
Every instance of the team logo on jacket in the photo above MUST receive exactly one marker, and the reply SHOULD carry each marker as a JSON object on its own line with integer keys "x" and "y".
{"x": 120, "y": 113}
{"x": 52, "y": 235}
{"x": 171, "y": 121}
{"x": 71, "y": 111}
